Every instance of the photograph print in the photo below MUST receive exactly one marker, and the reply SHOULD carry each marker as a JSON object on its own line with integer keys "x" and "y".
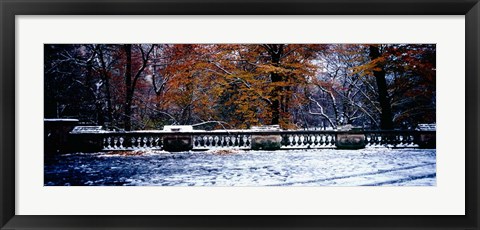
{"x": 239, "y": 115}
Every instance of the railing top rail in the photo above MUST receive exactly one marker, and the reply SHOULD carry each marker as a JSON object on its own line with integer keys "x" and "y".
{"x": 261, "y": 132}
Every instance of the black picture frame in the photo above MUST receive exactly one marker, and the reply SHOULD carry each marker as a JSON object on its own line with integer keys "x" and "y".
{"x": 10, "y": 8}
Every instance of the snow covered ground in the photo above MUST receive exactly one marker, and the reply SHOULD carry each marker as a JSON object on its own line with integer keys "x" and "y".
{"x": 319, "y": 167}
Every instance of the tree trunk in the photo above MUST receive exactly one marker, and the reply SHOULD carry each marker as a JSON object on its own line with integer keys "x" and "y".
{"x": 275, "y": 106}
{"x": 107, "y": 88}
{"x": 129, "y": 89}
{"x": 275, "y": 78}
{"x": 386, "y": 115}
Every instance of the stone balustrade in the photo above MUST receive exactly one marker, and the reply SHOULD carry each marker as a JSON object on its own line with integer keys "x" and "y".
{"x": 242, "y": 139}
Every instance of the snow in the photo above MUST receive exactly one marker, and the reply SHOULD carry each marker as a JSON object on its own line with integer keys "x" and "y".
{"x": 319, "y": 167}
{"x": 88, "y": 129}
{"x": 178, "y": 128}
{"x": 61, "y": 119}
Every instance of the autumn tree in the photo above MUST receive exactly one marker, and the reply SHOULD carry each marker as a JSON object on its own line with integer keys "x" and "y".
{"x": 412, "y": 69}
{"x": 403, "y": 73}
{"x": 147, "y": 86}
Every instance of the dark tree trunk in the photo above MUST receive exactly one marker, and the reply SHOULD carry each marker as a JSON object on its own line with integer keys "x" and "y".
{"x": 107, "y": 88}
{"x": 275, "y": 106}
{"x": 276, "y": 53}
{"x": 129, "y": 89}
{"x": 386, "y": 115}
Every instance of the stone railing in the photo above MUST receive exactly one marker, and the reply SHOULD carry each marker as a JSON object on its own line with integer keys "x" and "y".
{"x": 203, "y": 140}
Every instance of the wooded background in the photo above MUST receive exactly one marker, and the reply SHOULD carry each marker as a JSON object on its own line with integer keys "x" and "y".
{"x": 147, "y": 86}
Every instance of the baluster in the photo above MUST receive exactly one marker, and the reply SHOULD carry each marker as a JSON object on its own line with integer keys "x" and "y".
{"x": 210, "y": 141}
{"x": 195, "y": 141}
{"x": 398, "y": 140}
{"x": 315, "y": 140}
{"x": 144, "y": 142}
{"x": 284, "y": 141}
{"x": 119, "y": 142}
{"x": 205, "y": 141}
{"x": 115, "y": 142}
{"x": 240, "y": 140}
{"x": 105, "y": 143}
{"x": 150, "y": 142}
{"x": 330, "y": 141}
{"x": 227, "y": 141}
{"x": 201, "y": 141}
{"x": 121, "y": 139}
{"x": 367, "y": 139}
{"x": 156, "y": 144}
{"x": 321, "y": 140}
{"x": 218, "y": 141}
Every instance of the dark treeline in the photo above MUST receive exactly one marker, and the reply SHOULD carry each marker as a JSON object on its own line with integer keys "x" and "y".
{"x": 147, "y": 86}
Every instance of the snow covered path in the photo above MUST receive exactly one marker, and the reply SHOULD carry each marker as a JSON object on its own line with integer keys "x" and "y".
{"x": 320, "y": 167}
